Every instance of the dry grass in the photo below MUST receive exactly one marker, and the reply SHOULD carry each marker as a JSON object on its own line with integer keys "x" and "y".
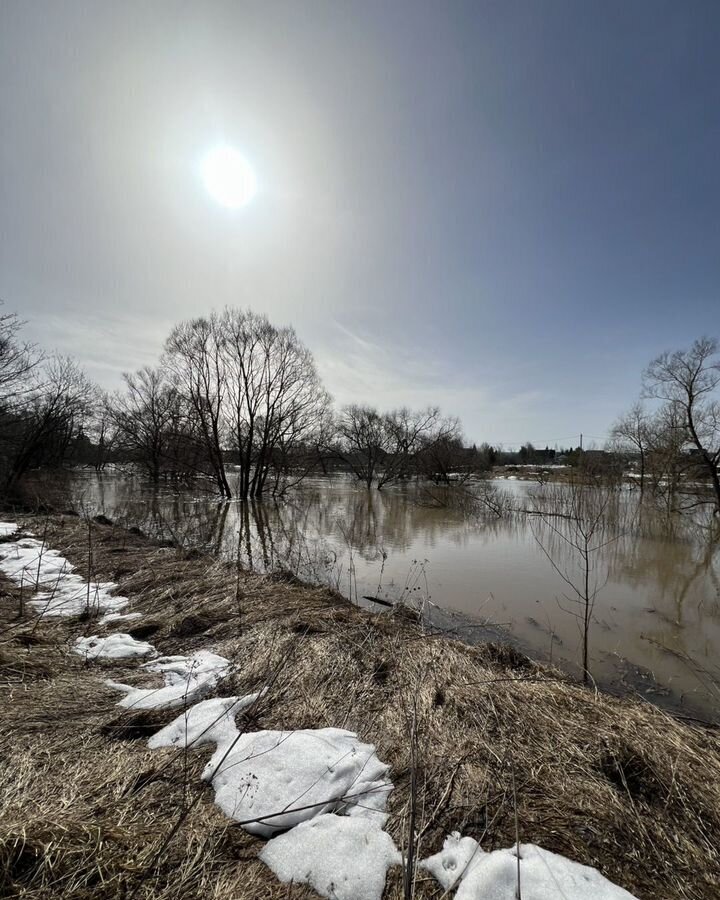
{"x": 85, "y": 807}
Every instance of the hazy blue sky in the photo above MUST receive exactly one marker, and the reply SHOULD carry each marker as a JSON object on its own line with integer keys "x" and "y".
{"x": 503, "y": 207}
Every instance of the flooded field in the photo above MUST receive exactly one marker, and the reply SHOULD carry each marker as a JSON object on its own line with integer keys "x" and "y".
{"x": 477, "y": 567}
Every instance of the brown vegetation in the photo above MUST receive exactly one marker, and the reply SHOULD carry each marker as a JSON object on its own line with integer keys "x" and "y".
{"x": 86, "y": 810}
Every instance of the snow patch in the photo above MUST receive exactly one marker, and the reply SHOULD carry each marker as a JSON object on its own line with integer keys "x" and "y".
{"x": 115, "y": 646}
{"x": 341, "y": 858}
{"x": 456, "y": 859}
{"x": 273, "y": 780}
{"x": 111, "y": 617}
{"x": 187, "y": 678}
{"x": 7, "y": 528}
{"x": 29, "y": 562}
{"x": 543, "y": 875}
{"x": 207, "y": 722}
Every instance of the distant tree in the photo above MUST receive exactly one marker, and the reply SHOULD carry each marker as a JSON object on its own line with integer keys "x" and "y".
{"x": 667, "y": 462}
{"x": 102, "y": 433}
{"x": 411, "y": 434}
{"x": 527, "y": 454}
{"x": 253, "y": 391}
{"x": 380, "y": 448}
{"x": 687, "y": 381}
{"x": 43, "y": 428}
{"x": 150, "y": 418}
{"x": 275, "y": 402}
{"x": 488, "y": 456}
{"x": 363, "y": 441}
{"x": 631, "y": 432}
{"x": 194, "y": 356}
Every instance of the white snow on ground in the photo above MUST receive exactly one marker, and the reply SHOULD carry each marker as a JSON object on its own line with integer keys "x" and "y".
{"x": 272, "y": 780}
{"x": 187, "y": 678}
{"x": 30, "y": 563}
{"x": 455, "y": 860}
{"x": 341, "y": 858}
{"x": 111, "y": 617}
{"x": 7, "y": 528}
{"x": 543, "y": 875}
{"x": 207, "y": 722}
{"x": 115, "y": 646}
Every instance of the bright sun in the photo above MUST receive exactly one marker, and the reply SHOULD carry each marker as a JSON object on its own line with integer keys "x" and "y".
{"x": 228, "y": 177}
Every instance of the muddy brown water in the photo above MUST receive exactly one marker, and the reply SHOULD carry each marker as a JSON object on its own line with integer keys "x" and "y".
{"x": 655, "y": 627}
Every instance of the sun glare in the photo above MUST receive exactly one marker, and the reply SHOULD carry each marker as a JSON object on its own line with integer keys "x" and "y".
{"x": 228, "y": 177}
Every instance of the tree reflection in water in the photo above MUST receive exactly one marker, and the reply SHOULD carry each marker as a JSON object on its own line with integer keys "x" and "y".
{"x": 660, "y": 607}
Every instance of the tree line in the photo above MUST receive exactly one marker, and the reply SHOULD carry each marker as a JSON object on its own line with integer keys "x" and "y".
{"x": 238, "y": 401}
{"x": 231, "y": 393}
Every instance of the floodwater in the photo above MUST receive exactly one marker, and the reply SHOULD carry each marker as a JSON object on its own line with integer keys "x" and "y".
{"x": 655, "y": 625}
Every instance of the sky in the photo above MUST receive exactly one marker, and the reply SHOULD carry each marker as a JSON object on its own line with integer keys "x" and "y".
{"x": 504, "y": 208}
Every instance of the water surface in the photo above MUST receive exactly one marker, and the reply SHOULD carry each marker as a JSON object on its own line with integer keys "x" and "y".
{"x": 655, "y": 627}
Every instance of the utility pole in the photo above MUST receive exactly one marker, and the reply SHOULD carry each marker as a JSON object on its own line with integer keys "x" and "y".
{"x": 581, "y": 440}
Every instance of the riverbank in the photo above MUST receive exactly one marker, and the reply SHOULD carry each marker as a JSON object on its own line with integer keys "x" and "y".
{"x": 88, "y": 810}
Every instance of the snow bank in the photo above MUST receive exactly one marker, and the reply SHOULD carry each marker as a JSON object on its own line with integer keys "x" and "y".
{"x": 273, "y": 780}
{"x": 493, "y": 876}
{"x": 456, "y": 859}
{"x": 7, "y": 528}
{"x": 207, "y": 722}
{"x": 29, "y": 562}
{"x": 115, "y": 646}
{"x": 341, "y": 858}
{"x": 187, "y": 678}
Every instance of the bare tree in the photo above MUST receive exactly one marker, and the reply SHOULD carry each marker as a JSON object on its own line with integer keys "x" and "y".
{"x": 193, "y": 353}
{"x": 41, "y": 432}
{"x": 363, "y": 442}
{"x": 254, "y": 393}
{"x": 152, "y": 424}
{"x": 386, "y": 447}
{"x": 410, "y": 432}
{"x": 631, "y": 432}
{"x": 575, "y": 526}
{"x": 103, "y": 432}
{"x": 274, "y": 398}
{"x": 18, "y": 359}
{"x": 688, "y": 380}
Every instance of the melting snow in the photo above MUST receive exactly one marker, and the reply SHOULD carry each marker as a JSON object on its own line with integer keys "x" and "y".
{"x": 207, "y": 722}
{"x": 277, "y": 779}
{"x": 341, "y": 858}
{"x": 493, "y": 876}
{"x": 110, "y": 617}
{"x": 456, "y": 859}
{"x": 7, "y": 528}
{"x": 29, "y": 562}
{"x": 115, "y": 646}
{"x": 187, "y": 678}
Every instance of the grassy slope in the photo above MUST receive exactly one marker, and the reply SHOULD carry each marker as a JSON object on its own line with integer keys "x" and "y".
{"x": 86, "y": 809}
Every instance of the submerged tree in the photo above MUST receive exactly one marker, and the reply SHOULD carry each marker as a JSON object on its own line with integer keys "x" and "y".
{"x": 253, "y": 391}
{"x": 43, "y": 428}
{"x": 275, "y": 401}
{"x": 632, "y": 432}
{"x": 687, "y": 381}
{"x": 576, "y": 518}
{"x": 154, "y": 428}
{"x": 193, "y": 354}
{"x": 363, "y": 441}
{"x": 384, "y": 447}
